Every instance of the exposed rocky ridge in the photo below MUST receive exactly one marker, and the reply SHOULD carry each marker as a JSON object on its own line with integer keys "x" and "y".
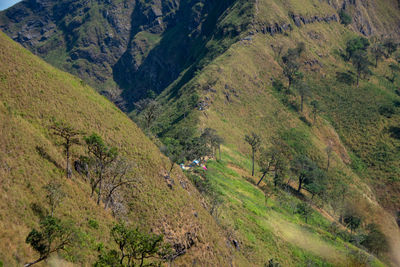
{"x": 121, "y": 41}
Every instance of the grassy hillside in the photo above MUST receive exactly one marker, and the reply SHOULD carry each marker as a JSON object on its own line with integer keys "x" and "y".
{"x": 235, "y": 95}
{"x": 33, "y": 94}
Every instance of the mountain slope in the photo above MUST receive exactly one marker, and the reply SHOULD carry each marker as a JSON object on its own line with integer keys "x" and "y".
{"x": 33, "y": 95}
{"x": 222, "y": 77}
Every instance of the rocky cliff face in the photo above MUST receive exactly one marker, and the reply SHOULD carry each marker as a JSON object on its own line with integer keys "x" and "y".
{"x": 126, "y": 48}
{"x": 131, "y": 45}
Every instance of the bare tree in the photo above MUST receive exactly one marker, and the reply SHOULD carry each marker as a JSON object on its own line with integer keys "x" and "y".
{"x": 254, "y": 141}
{"x": 54, "y": 195}
{"x": 103, "y": 156}
{"x": 70, "y": 138}
{"x": 116, "y": 176}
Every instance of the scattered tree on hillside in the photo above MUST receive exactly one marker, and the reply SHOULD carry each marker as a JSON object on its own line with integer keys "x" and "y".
{"x": 304, "y": 92}
{"x": 70, "y": 138}
{"x": 149, "y": 110}
{"x": 375, "y": 241}
{"x": 354, "y": 45}
{"x": 390, "y": 46}
{"x": 274, "y": 158}
{"x": 377, "y": 51}
{"x": 54, "y": 195}
{"x": 302, "y": 166}
{"x": 54, "y": 235}
{"x": 116, "y": 176}
{"x": 352, "y": 220}
{"x": 254, "y": 141}
{"x": 173, "y": 151}
{"x": 102, "y": 157}
{"x": 360, "y": 61}
{"x": 290, "y": 62}
{"x": 213, "y": 140}
{"x": 315, "y": 108}
{"x": 135, "y": 248}
{"x": 316, "y": 182}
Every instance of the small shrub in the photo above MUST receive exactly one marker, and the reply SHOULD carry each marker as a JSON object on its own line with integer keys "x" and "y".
{"x": 345, "y": 18}
{"x": 304, "y": 119}
{"x": 93, "y": 224}
{"x": 278, "y": 85}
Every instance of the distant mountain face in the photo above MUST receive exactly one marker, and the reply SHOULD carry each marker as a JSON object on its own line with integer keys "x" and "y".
{"x": 131, "y": 45}
{"x": 127, "y": 48}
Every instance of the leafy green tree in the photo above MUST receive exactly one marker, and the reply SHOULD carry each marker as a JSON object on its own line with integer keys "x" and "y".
{"x": 375, "y": 241}
{"x": 352, "y": 221}
{"x": 213, "y": 140}
{"x": 316, "y": 182}
{"x": 302, "y": 166}
{"x": 291, "y": 65}
{"x": 54, "y": 195}
{"x": 345, "y": 77}
{"x": 103, "y": 156}
{"x": 70, "y": 138}
{"x": 174, "y": 151}
{"x": 54, "y": 235}
{"x": 356, "y": 44}
{"x": 254, "y": 141}
{"x": 274, "y": 158}
{"x": 136, "y": 248}
{"x": 345, "y": 18}
{"x": 360, "y": 61}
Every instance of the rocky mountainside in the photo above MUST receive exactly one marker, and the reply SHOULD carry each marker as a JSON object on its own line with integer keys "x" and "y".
{"x": 133, "y": 46}
{"x": 126, "y": 48}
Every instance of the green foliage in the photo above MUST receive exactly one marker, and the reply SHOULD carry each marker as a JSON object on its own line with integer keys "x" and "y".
{"x": 360, "y": 61}
{"x": 291, "y": 66}
{"x": 54, "y": 235}
{"x": 136, "y": 248}
{"x": 304, "y": 209}
{"x": 352, "y": 220}
{"x": 297, "y": 139}
{"x": 345, "y": 18}
{"x": 346, "y": 77}
{"x": 54, "y": 195}
{"x": 93, "y": 224}
{"x": 375, "y": 241}
{"x": 356, "y": 44}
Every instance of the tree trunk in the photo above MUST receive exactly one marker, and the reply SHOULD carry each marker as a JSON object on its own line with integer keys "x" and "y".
{"x": 252, "y": 168}
{"x": 68, "y": 170}
{"x": 300, "y": 184}
{"x": 358, "y": 78}
{"x": 262, "y": 177}
{"x": 328, "y": 163}
{"x": 315, "y": 117}
{"x": 100, "y": 184}
{"x": 34, "y": 262}
{"x": 170, "y": 170}
{"x": 301, "y": 102}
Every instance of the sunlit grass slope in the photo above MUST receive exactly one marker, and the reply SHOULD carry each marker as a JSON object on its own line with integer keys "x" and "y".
{"x": 33, "y": 95}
